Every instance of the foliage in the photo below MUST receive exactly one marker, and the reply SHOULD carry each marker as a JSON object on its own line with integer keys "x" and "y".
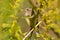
{"x": 10, "y": 11}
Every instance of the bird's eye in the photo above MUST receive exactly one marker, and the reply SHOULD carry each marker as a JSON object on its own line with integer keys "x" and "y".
{"x": 27, "y": 9}
{"x": 28, "y": 12}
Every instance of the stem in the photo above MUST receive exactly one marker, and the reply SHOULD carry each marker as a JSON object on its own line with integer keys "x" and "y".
{"x": 31, "y": 30}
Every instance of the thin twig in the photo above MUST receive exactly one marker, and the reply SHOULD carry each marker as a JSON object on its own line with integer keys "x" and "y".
{"x": 31, "y": 30}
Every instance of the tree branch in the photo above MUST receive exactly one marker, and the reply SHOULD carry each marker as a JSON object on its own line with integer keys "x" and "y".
{"x": 31, "y": 30}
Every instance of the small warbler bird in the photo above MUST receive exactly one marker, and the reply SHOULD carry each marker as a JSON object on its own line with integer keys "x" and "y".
{"x": 32, "y": 18}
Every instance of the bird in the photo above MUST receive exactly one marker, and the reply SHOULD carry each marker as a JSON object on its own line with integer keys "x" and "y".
{"x": 32, "y": 19}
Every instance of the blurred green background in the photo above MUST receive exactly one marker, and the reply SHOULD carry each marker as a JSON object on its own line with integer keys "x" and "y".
{"x": 14, "y": 27}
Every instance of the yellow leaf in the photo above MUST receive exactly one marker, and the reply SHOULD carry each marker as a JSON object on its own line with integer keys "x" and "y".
{"x": 5, "y": 25}
{"x": 24, "y": 33}
{"x": 17, "y": 35}
{"x": 13, "y": 16}
{"x": 14, "y": 23}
